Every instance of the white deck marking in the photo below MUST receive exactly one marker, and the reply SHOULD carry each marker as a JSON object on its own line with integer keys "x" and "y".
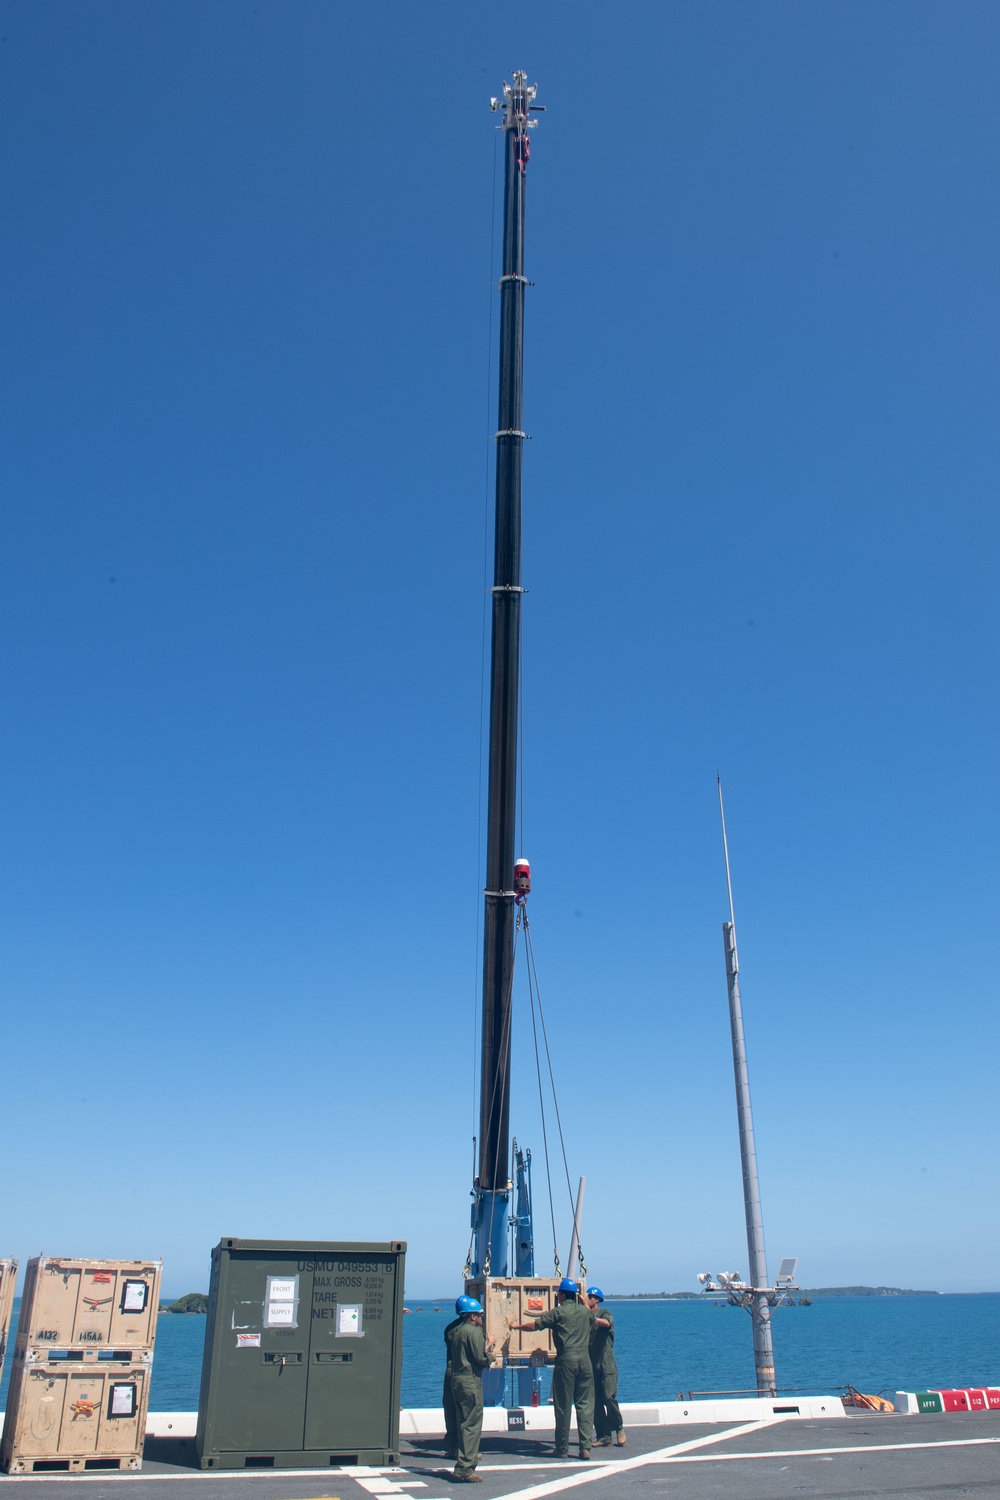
{"x": 640, "y": 1460}
{"x": 536, "y": 1463}
{"x": 383, "y": 1486}
{"x": 715, "y": 1458}
{"x": 679, "y": 1453}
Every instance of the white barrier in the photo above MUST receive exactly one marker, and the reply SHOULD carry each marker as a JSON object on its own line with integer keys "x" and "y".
{"x": 421, "y": 1421}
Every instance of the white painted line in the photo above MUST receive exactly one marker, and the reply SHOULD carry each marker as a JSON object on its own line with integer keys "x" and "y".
{"x": 715, "y": 1458}
{"x": 144, "y": 1476}
{"x": 533, "y": 1463}
{"x": 601, "y": 1471}
{"x": 381, "y": 1486}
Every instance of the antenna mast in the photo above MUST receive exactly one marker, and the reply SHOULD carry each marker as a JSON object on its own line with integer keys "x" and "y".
{"x": 493, "y": 1186}
{"x": 760, "y": 1311}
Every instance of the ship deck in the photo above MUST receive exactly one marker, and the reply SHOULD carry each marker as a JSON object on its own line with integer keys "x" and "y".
{"x": 867, "y": 1455}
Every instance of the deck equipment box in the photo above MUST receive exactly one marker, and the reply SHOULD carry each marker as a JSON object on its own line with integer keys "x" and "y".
{"x": 303, "y": 1355}
{"x": 75, "y": 1413}
{"x": 89, "y": 1303}
{"x": 516, "y": 1299}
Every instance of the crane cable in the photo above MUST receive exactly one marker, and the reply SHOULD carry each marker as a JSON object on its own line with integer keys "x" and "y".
{"x": 541, "y": 1109}
{"x": 534, "y": 991}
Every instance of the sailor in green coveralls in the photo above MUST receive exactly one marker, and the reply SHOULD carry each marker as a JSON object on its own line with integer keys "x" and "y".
{"x": 468, "y": 1356}
{"x": 573, "y": 1376}
{"x": 607, "y": 1412}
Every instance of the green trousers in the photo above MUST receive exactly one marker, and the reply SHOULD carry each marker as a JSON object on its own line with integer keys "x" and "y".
{"x": 573, "y": 1385}
{"x": 450, "y": 1418}
{"x": 607, "y": 1412}
{"x": 463, "y": 1418}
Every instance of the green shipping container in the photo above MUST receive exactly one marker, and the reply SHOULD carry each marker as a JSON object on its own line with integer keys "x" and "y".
{"x": 929, "y": 1401}
{"x": 303, "y": 1355}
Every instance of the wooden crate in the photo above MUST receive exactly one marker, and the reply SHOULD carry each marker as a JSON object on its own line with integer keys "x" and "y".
{"x": 8, "y": 1281}
{"x": 515, "y": 1299}
{"x": 69, "y": 1416}
{"x": 95, "y": 1303}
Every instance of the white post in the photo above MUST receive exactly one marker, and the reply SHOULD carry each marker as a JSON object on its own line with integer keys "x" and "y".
{"x": 574, "y": 1244}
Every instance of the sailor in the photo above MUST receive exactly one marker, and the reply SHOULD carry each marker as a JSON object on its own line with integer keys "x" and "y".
{"x": 573, "y": 1376}
{"x": 468, "y": 1356}
{"x": 607, "y": 1413}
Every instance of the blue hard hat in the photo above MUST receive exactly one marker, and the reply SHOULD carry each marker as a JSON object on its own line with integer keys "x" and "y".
{"x": 467, "y": 1305}
{"x": 566, "y": 1285}
{"x": 595, "y": 1291}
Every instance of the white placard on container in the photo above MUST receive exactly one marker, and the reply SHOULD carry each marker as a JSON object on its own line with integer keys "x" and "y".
{"x": 279, "y": 1315}
{"x": 349, "y": 1321}
{"x": 134, "y": 1300}
{"x": 282, "y": 1288}
{"x": 122, "y": 1401}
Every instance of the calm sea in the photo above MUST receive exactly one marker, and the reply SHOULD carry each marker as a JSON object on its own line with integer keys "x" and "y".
{"x": 663, "y": 1348}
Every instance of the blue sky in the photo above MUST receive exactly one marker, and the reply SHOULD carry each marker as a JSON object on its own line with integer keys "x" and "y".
{"x": 248, "y": 387}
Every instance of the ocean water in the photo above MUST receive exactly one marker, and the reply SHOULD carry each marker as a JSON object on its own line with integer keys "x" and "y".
{"x": 665, "y": 1348}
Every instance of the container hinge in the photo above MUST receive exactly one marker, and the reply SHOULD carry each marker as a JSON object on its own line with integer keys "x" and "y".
{"x": 512, "y": 432}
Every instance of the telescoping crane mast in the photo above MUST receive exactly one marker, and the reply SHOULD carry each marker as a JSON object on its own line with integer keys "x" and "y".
{"x": 493, "y": 1186}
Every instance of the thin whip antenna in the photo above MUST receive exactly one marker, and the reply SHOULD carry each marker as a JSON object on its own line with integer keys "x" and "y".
{"x": 757, "y": 1293}
{"x": 725, "y": 850}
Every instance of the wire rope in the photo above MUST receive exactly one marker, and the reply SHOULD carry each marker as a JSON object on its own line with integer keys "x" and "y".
{"x": 529, "y": 946}
{"x": 541, "y": 1109}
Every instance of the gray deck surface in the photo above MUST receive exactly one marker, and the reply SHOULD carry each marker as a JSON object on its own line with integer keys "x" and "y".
{"x": 902, "y": 1458}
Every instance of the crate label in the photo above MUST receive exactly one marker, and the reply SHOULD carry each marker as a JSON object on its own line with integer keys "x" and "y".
{"x": 248, "y": 1341}
{"x": 515, "y": 1421}
{"x": 349, "y": 1320}
{"x": 122, "y": 1401}
{"x": 135, "y": 1296}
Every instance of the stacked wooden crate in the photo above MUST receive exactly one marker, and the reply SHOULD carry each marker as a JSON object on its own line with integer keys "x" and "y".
{"x": 516, "y": 1299}
{"x": 8, "y": 1281}
{"x": 79, "y": 1386}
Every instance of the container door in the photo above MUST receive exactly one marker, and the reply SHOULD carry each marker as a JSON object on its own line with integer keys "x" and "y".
{"x": 51, "y": 1313}
{"x": 133, "y": 1313}
{"x": 97, "y": 1292}
{"x": 260, "y": 1358}
{"x": 351, "y": 1353}
{"x": 82, "y": 1417}
{"x": 40, "y": 1414}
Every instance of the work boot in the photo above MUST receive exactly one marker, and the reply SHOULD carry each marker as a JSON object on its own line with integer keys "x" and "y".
{"x": 560, "y": 1453}
{"x": 619, "y": 1437}
{"x": 584, "y": 1454}
{"x": 605, "y": 1442}
{"x": 470, "y": 1478}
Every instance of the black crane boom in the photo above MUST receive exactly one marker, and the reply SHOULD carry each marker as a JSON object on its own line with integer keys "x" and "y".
{"x": 498, "y": 931}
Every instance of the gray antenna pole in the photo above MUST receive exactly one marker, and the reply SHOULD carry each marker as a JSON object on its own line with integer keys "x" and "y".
{"x": 760, "y": 1312}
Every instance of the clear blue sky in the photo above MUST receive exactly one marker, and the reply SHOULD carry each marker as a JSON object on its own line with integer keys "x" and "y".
{"x": 248, "y": 397}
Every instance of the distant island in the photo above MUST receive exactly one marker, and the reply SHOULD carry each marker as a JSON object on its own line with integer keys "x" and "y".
{"x": 805, "y": 1291}
{"x": 653, "y": 1296}
{"x": 865, "y": 1291}
{"x": 194, "y": 1302}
